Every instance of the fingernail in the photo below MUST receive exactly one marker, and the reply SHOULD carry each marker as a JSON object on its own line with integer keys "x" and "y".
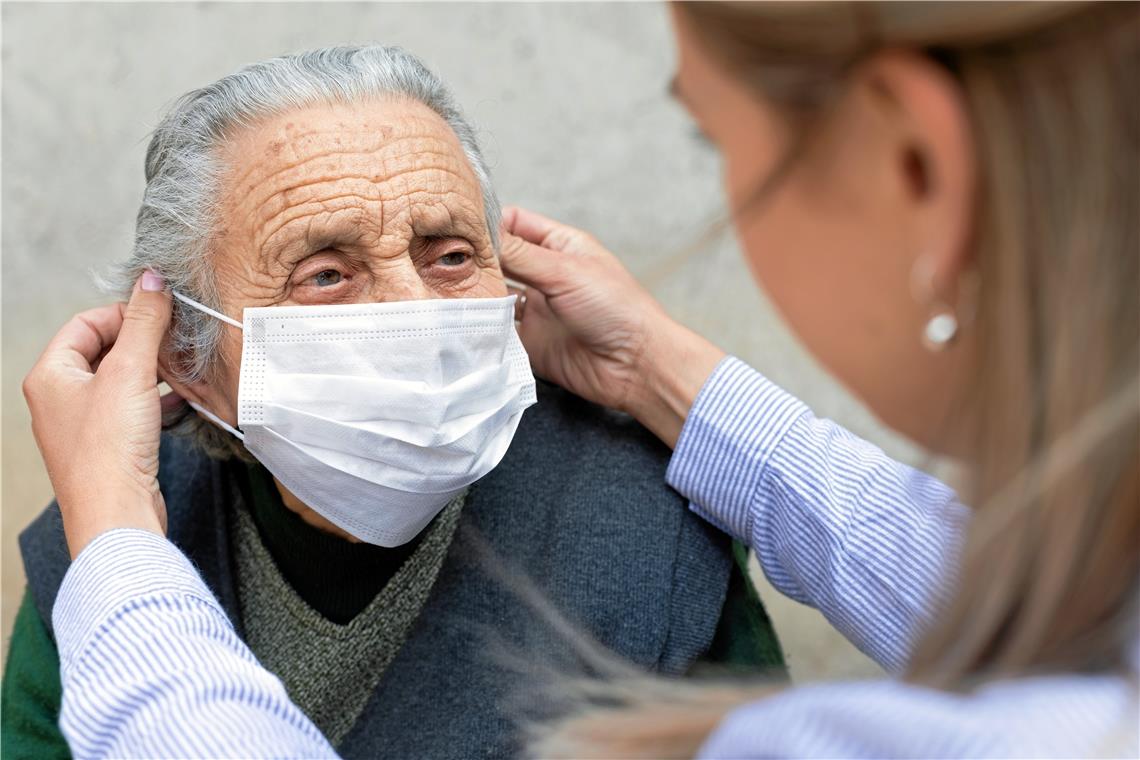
{"x": 151, "y": 281}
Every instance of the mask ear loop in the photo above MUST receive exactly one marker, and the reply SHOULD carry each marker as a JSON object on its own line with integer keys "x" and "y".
{"x": 202, "y": 307}
{"x": 217, "y": 420}
{"x": 217, "y": 315}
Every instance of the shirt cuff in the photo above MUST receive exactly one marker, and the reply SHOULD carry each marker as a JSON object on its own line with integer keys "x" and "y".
{"x": 120, "y": 570}
{"x": 735, "y": 425}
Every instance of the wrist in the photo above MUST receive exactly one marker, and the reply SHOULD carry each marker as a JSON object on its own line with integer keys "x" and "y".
{"x": 672, "y": 370}
{"x": 87, "y": 518}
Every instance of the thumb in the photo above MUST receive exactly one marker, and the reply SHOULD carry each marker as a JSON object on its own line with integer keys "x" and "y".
{"x": 145, "y": 319}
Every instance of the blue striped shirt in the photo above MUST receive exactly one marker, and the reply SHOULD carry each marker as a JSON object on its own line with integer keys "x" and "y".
{"x": 152, "y": 667}
{"x": 871, "y": 543}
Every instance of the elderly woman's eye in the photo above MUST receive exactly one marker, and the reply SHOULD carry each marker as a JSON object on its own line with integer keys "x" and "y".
{"x": 327, "y": 277}
{"x": 455, "y": 259}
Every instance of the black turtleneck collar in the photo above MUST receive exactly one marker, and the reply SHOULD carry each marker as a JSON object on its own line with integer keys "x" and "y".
{"x": 336, "y": 577}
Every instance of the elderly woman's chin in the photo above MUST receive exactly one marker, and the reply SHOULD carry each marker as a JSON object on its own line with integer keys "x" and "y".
{"x": 310, "y": 516}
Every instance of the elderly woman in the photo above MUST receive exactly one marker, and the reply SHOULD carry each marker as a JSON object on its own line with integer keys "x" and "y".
{"x": 335, "y": 480}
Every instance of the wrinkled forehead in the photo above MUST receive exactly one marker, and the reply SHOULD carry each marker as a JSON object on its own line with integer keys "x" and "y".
{"x": 391, "y": 168}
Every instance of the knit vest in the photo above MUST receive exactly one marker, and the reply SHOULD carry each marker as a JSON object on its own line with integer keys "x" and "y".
{"x": 330, "y": 669}
{"x": 577, "y": 520}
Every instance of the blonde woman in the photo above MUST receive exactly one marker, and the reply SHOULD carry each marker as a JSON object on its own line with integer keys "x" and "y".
{"x": 942, "y": 200}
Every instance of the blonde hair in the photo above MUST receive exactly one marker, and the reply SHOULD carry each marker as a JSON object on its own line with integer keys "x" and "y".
{"x": 1048, "y": 576}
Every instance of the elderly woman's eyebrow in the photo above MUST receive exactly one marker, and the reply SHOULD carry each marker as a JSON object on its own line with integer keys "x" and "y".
{"x": 290, "y": 244}
{"x": 455, "y": 223}
{"x": 442, "y": 231}
{"x": 287, "y": 249}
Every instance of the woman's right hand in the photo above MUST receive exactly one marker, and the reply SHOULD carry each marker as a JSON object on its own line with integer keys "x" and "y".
{"x": 590, "y": 327}
{"x": 97, "y": 415}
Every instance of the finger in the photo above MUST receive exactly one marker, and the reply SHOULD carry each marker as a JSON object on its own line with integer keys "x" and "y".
{"x": 520, "y": 294}
{"x": 538, "y": 326}
{"x": 531, "y": 265}
{"x": 145, "y": 319}
{"x": 85, "y": 338}
{"x": 536, "y": 307}
{"x": 529, "y": 225}
{"x": 547, "y": 233}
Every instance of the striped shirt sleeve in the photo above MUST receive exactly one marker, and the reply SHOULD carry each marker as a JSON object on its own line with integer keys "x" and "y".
{"x": 151, "y": 666}
{"x": 1060, "y": 715}
{"x": 835, "y": 522}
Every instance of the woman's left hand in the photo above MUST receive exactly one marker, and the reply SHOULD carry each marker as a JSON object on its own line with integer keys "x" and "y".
{"x": 97, "y": 415}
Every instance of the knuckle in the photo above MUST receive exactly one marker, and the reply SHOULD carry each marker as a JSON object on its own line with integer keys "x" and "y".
{"x": 509, "y": 246}
{"x": 37, "y": 388}
{"x": 89, "y": 316}
{"x": 143, "y": 313}
{"x": 115, "y": 367}
{"x": 578, "y": 241}
{"x": 30, "y": 386}
{"x": 562, "y": 239}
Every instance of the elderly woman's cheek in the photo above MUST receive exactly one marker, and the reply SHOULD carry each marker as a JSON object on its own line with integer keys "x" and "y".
{"x": 491, "y": 282}
{"x": 220, "y": 389}
{"x": 491, "y": 274}
{"x": 451, "y": 282}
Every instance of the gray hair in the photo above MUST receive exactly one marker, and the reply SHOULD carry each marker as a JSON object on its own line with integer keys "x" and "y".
{"x": 183, "y": 172}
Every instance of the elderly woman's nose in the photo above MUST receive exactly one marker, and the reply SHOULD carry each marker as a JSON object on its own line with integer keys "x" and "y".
{"x": 401, "y": 286}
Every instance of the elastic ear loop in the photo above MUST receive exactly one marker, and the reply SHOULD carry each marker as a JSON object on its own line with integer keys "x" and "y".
{"x": 216, "y": 420}
{"x": 207, "y": 309}
{"x": 217, "y": 315}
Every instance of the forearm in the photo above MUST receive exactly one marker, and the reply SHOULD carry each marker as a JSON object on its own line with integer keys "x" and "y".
{"x": 151, "y": 665}
{"x": 835, "y": 523}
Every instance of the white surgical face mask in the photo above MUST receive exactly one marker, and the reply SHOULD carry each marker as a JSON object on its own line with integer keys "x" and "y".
{"x": 377, "y": 415}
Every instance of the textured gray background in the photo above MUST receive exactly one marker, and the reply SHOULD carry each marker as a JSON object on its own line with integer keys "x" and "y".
{"x": 570, "y": 102}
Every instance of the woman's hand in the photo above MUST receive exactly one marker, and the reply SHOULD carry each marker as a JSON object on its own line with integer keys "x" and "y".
{"x": 96, "y": 415}
{"x": 591, "y": 328}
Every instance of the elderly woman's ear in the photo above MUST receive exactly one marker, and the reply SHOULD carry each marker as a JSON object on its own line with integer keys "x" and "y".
{"x": 174, "y": 406}
{"x": 171, "y": 366}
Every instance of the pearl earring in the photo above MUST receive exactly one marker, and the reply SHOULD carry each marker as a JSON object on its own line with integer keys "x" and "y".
{"x": 941, "y": 329}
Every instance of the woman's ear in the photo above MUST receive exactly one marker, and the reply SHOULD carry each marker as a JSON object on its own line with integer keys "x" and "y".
{"x": 933, "y": 161}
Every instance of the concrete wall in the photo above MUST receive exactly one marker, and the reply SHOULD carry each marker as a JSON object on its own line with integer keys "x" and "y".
{"x": 572, "y": 108}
